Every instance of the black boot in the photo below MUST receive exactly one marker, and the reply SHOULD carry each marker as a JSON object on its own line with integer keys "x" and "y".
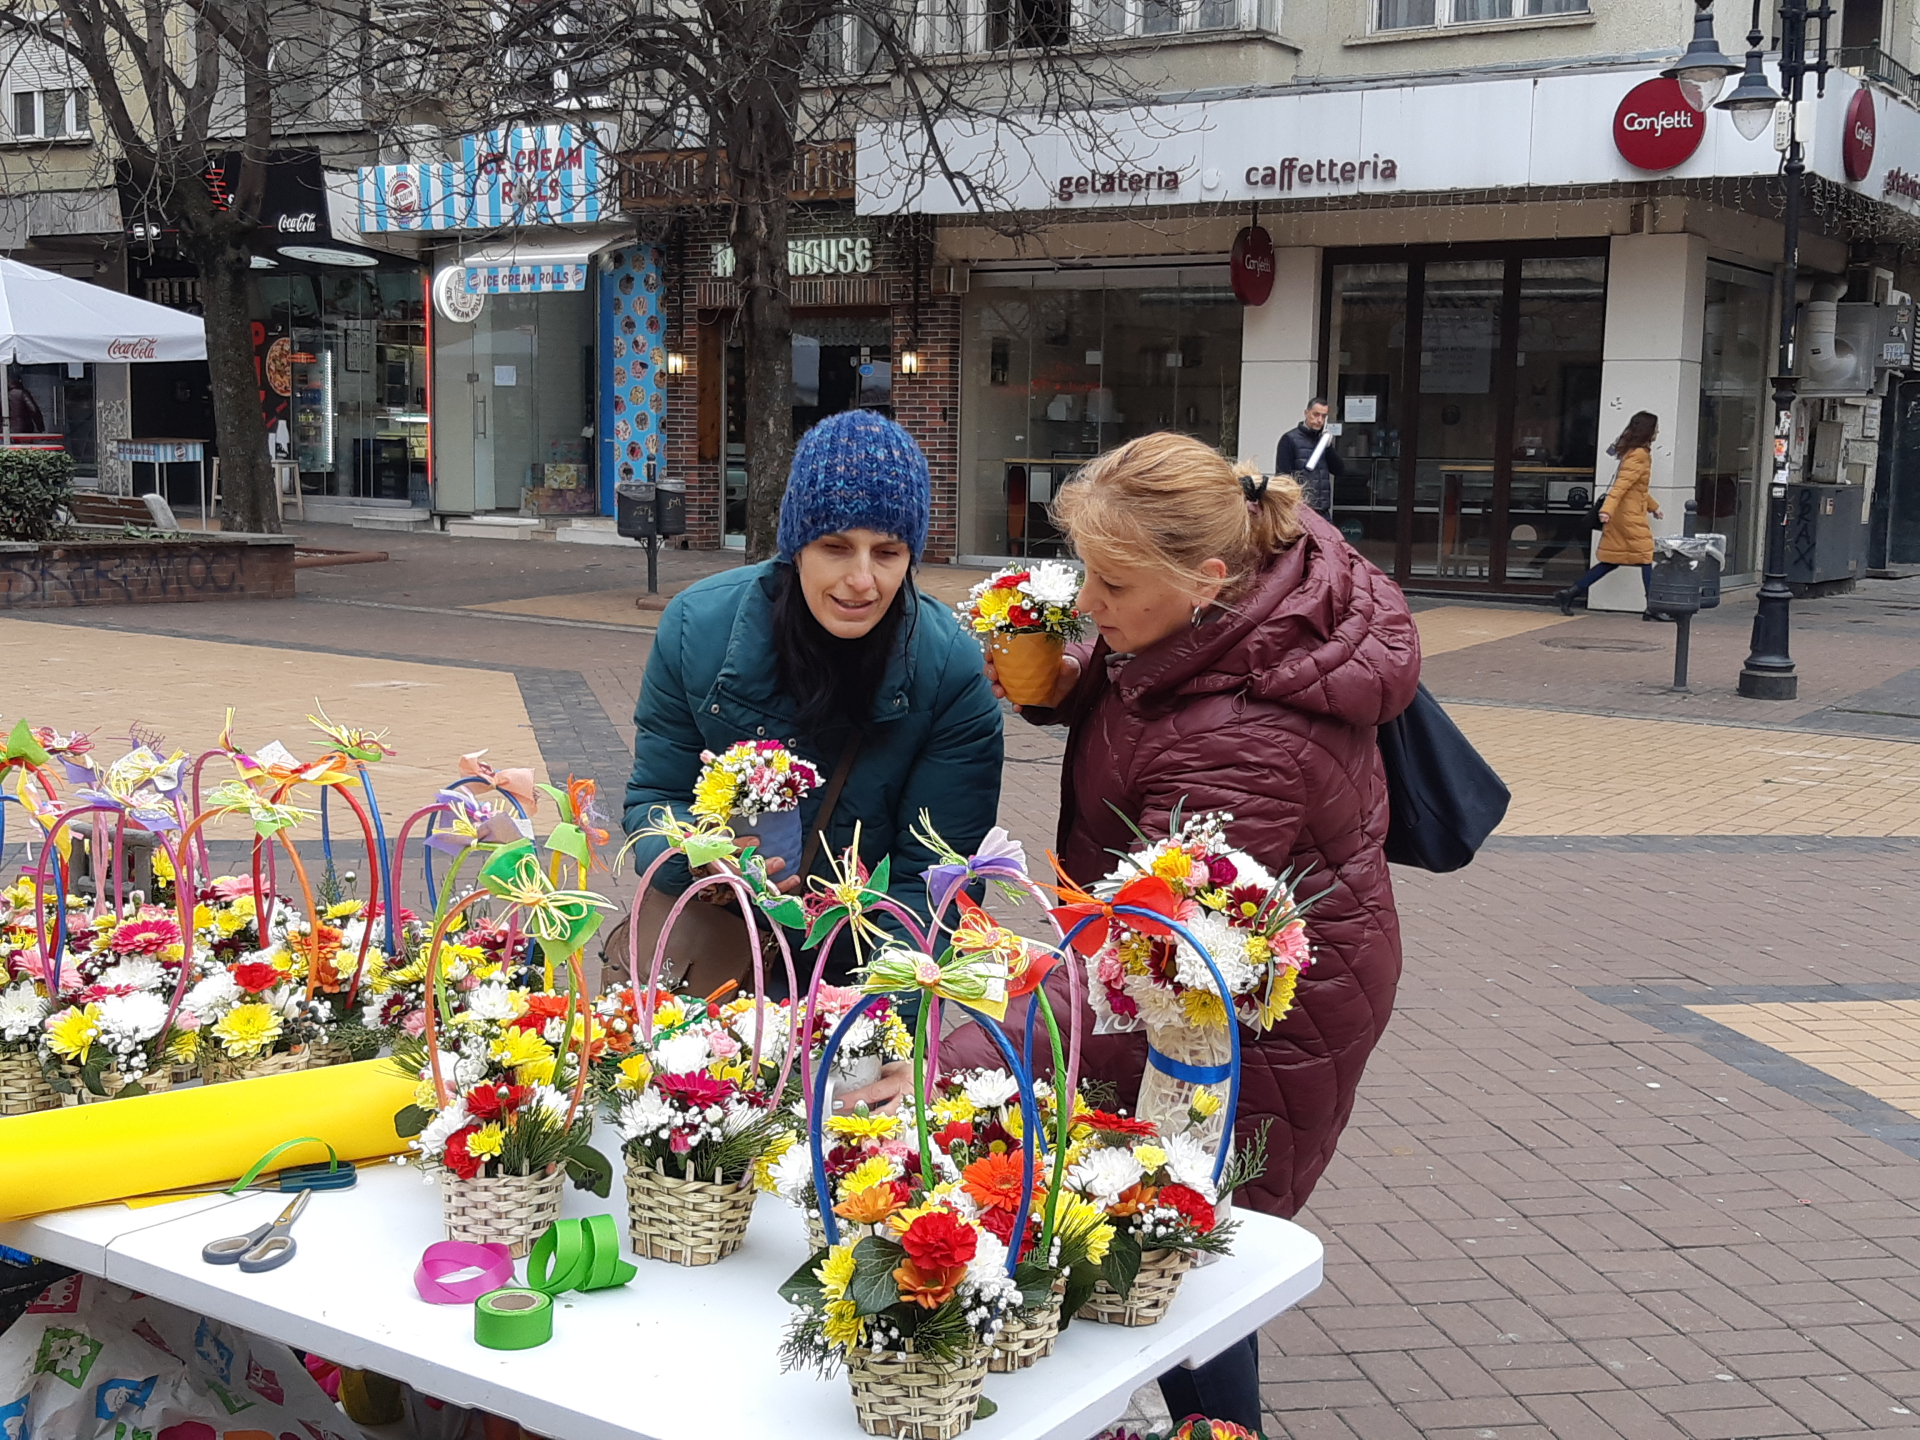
{"x": 1564, "y": 599}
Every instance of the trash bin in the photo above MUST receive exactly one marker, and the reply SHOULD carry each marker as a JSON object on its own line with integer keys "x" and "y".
{"x": 1674, "y": 588}
{"x": 634, "y": 514}
{"x": 670, "y": 507}
{"x": 1701, "y": 557}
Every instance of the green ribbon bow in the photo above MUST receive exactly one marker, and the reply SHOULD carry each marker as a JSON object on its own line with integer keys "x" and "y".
{"x": 22, "y": 749}
{"x": 562, "y": 921}
{"x": 269, "y": 819}
{"x": 978, "y": 980}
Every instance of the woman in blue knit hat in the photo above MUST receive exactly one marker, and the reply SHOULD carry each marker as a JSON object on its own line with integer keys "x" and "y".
{"x": 830, "y": 649}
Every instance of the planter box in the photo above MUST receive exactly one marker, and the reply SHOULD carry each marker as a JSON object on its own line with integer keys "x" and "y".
{"x": 61, "y": 574}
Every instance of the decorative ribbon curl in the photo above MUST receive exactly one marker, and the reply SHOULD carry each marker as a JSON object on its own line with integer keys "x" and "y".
{"x": 365, "y": 746}
{"x": 977, "y": 979}
{"x": 560, "y": 920}
{"x": 701, "y": 841}
{"x": 269, "y": 817}
{"x": 978, "y": 933}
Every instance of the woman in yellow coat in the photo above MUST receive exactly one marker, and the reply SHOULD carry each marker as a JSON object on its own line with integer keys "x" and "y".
{"x": 1625, "y": 538}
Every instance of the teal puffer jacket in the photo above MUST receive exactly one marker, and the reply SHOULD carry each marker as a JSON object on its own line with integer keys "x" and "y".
{"x": 934, "y": 743}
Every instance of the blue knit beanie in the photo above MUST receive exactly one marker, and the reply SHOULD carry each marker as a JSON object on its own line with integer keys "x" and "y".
{"x": 855, "y": 471}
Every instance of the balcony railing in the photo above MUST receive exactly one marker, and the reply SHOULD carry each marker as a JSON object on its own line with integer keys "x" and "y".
{"x": 1870, "y": 62}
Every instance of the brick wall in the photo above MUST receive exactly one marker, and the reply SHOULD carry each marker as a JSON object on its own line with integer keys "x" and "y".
{"x": 927, "y": 404}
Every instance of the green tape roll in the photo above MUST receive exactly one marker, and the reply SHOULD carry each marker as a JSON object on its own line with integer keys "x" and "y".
{"x": 578, "y": 1255}
{"x": 512, "y": 1318}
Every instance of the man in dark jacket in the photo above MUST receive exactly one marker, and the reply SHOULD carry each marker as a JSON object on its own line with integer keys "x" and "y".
{"x": 1296, "y": 449}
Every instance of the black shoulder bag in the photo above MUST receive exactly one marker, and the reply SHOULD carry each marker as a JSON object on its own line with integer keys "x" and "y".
{"x": 1443, "y": 799}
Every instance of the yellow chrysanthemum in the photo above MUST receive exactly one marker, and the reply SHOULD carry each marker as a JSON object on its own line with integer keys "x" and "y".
{"x": 993, "y": 605}
{"x": 670, "y": 1014}
{"x": 489, "y": 1139}
{"x": 345, "y": 910}
{"x": 184, "y": 1046}
{"x": 1203, "y": 1008}
{"x": 635, "y": 1072}
{"x": 835, "y": 1272}
{"x": 426, "y": 1097}
{"x": 529, "y": 1057}
{"x": 734, "y": 1071}
{"x": 162, "y": 864}
{"x": 248, "y": 1030}
{"x": 1206, "y": 1103}
{"x": 202, "y": 917}
{"x": 1084, "y": 1223}
{"x": 1135, "y": 951}
{"x": 1258, "y": 950}
{"x": 865, "y": 1127}
{"x": 954, "y": 1110}
{"x": 874, "y": 1170}
{"x": 70, "y": 1036}
{"x": 1151, "y": 1156}
{"x": 1279, "y": 997}
{"x": 713, "y": 794}
{"x": 843, "y": 1325}
{"x": 1215, "y": 899}
{"x": 1173, "y": 865}
{"x": 896, "y": 1039}
{"x": 771, "y": 1156}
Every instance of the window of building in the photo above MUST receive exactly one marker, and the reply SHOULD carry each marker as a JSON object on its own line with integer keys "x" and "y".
{"x": 1736, "y": 352}
{"x": 50, "y": 114}
{"x": 1427, "y": 14}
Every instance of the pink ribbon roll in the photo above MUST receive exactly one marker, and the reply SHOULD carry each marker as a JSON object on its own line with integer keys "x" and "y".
{"x": 449, "y": 1257}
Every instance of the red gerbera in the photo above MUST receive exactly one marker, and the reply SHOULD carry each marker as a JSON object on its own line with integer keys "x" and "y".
{"x": 695, "y": 1090}
{"x": 1194, "y": 1207}
{"x": 940, "y": 1239}
{"x": 456, "y": 1158}
{"x": 995, "y": 1182}
{"x": 960, "y": 1132}
{"x": 491, "y": 1102}
{"x": 1109, "y": 1123}
{"x": 255, "y": 976}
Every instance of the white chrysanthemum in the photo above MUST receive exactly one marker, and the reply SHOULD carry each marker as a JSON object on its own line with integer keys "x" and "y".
{"x": 21, "y": 1010}
{"x": 1102, "y": 1175}
{"x": 1226, "y": 945}
{"x": 682, "y": 1054}
{"x": 212, "y": 997}
{"x": 1052, "y": 583}
{"x": 127, "y": 1020}
{"x": 989, "y": 1261}
{"x": 554, "y": 1102}
{"x": 1190, "y": 1163}
{"x": 491, "y": 1002}
{"x": 1157, "y": 1004}
{"x": 469, "y": 1071}
{"x": 792, "y": 1175}
{"x": 432, "y": 1140}
{"x": 138, "y": 972}
{"x": 988, "y": 1089}
{"x": 644, "y": 1116}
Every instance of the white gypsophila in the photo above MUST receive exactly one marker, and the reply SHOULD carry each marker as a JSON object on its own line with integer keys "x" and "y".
{"x": 433, "y": 1139}
{"x": 1190, "y": 1163}
{"x": 1103, "y": 1175}
{"x": 130, "y": 1020}
{"x": 22, "y": 1009}
{"x": 792, "y": 1175}
{"x": 492, "y": 1002}
{"x": 644, "y": 1116}
{"x": 990, "y": 1089}
{"x": 136, "y": 972}
{"x": 214, "y": 996}
{"x": 682, "y": 1054}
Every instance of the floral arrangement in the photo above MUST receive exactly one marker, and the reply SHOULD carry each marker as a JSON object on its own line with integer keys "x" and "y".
{"x": 686, "y": 1102}
{"x": 23, "y": 1013}
{"x": 1037, "y": 598}
{"x": 256, "y": 1008}
{"x": 751, "y": 778}
{"x": 876, "y": 1037}
{"x": 1250, "y": 921}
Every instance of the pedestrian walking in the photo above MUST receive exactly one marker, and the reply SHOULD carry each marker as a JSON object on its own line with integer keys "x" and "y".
{"x": 1296, "y": 452}
{"x": 831, "y": 649}
{"x": 1246, "y": 655}
{"x": 1625, "y": 537}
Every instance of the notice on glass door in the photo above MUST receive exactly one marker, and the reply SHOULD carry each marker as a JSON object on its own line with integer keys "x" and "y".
{"x": 505, "y": 375}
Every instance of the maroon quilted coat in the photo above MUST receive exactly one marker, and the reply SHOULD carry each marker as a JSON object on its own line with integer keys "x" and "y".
{"x": 1269, "y": 712}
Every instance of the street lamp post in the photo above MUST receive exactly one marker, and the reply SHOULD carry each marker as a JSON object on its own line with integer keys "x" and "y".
{"x": 1769, "y": 673}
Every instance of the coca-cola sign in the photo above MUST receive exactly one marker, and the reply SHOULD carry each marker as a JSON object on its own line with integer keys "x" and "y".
{"x": 1251, "y": 266}
{"x": 143, "y": 347}
{"x": 1655, "y": 128}
{"x": 1856, "y": 142}
{"x": 305, "y": 223}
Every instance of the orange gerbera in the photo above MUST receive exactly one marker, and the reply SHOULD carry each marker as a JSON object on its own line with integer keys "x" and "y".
{"x": 929, "y": 1289}
{"x": 872, "y": 1205}
{"x": 1133, "y": 1199}
{"x": 994, "y": 1182}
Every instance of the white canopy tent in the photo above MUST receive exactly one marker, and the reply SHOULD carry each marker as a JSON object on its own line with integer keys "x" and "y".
{"x": 48, "y": 319}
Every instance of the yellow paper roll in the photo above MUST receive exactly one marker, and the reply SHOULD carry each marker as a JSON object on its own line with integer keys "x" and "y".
{"x": 90, "y": 1153}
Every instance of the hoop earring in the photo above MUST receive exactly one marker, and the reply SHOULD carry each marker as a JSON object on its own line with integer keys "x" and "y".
{"x": 1198, "y": 612}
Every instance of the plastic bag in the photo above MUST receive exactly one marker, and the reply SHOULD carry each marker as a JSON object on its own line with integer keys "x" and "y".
{"x": 93, "y": 1361}
{"x": 1692, "y": 547}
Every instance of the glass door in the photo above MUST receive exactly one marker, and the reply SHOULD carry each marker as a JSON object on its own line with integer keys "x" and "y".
{"x": 1453, "y": 499}
{"x": 1556, "y": 418}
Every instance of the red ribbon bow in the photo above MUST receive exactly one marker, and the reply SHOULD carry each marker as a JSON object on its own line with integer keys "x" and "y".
{"x": 1147, "y": 892}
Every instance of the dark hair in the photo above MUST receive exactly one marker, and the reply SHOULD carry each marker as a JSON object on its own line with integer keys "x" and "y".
{"x": 1318, "y": 400}
{"x": 832, "y": 682}
{"x": 1638, "y": 435}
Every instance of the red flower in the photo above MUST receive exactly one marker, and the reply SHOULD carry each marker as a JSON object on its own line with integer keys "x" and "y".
{"x": 696, "y": 1090}
{"x": 1108, "y": 1123}
{"x": 1194, "y": 1207}
{"x": 1019, "y": 615}
{"x": 958, "y": 1133}
{"x": 491, "y": 1102}
{"x": 938, "y": 1240}
{"x": 254, "y": 976}
{"x": 1222, "y": 871}
{"x": 999, "y": 1224}
{"x": 456, "y": 1158}
{"x": 995, "y": 1182}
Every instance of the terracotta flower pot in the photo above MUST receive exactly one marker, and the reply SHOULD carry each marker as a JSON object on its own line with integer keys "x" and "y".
{"x": 1028, "y": 665}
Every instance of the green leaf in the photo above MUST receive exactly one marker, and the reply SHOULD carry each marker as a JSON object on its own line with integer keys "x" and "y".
{"x": 411, "y": 1120}
{"x": 822, "y": 923}
{"x": 985, "y": 1408}
{"x": 1080, "y": 1282}
{"x": 1122, "y": 1265}
{"x": 560, "y": 800}
{"x": 881, "y": 876}
{"x": 803, "y": 1287}
{"x": 131, "y": 1089}
{"x": 785, "y": 910}
{"x": 571, "y": 841}
{"x": 873, "y": 1287}
{"x": 589, "y": 1170}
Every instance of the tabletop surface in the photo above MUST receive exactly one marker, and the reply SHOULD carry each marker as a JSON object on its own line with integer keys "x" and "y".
{"x": 672, "y": 1356}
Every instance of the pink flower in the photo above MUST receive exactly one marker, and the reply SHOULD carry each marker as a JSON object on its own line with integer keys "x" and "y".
{"x": 1292, "y": 948}
{"x": 232, "y": 887}
{"x": 696, "y": 1090}
{"x": 1222, "y": 871}
{"x": 1109, "y": 972}
{"x": 1122, "y": 1003}
{"x": 724, "y": 1047}
{"x": 144, "y": 937}
{"x": 679, "y": 1143}
{"x": 416, "y": 1023}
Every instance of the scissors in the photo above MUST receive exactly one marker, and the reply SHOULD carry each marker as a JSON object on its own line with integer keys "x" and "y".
{"x": 267, "y": 1248}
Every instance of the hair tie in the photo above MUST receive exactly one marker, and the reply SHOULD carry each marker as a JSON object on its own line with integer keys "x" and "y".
{"x": 1254, "y": 487}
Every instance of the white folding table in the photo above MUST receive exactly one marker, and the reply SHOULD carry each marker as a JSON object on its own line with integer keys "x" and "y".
{"x": 678, "y": 1354}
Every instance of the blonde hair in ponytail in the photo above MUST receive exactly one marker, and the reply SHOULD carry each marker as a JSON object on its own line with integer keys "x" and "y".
{"x": 1168, "y": 503}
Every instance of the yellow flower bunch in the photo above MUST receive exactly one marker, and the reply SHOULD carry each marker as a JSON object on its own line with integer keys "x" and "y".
{"x": 864, "y": 1127}
{"x": 1082, "y": 1222}
{"x": 843, "y": 1326}
{"x": 874, "y": 1170}
{"x": 955, "y": 1109}
{"x": 1279, "y": 995}
{"x": 1204, "y": 1008}
{"x": 635, "y": 1073}
{"x": 73, "y": 1034}
{"x": 248, "y": 1030}
{"x": 713, "y": 794}
{"x": 488, "y": 1140}
{"x": 1174, "y": 864}
{"x": 774, "y": 1153}
{"x": 529, "y": 1057}
{"x": 162, "y": 864}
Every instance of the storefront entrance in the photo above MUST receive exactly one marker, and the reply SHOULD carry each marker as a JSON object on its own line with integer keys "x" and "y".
{"x": 1467, "y": 383}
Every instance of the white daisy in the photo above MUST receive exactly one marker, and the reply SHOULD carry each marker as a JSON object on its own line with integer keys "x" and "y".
{"x": 989, "y": 1089}
{"x": 491, "y": 1002}
{"x": 682, "y": 1054}
{"x": 136, "y": 971}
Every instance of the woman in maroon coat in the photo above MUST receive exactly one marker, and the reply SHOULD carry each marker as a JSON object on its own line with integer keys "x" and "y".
{"x": 1246, "y": 656}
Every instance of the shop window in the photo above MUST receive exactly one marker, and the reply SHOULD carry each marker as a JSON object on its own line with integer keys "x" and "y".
{"x": 50, "y": 115}
{"x": 1054, "y": 373}
{"x": 1426, "y": 14}
{"x": 1735, "y": 354}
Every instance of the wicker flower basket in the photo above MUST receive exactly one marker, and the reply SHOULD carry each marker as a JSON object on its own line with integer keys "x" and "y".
{"x": 915, "y": 1396}
{"x": 23, "y": 1086}
{"x": 1153, "y": 1291}
{"x": 217, "y": 1068}
{"x": 509, "y": 1210}
{"x": 1027, "y": 1335}
{"x": 111, "y": 1081}
{"x": 690, "y": 1222}
{"x": 817, "y": 1232}
{"x": 323, "y": 1053}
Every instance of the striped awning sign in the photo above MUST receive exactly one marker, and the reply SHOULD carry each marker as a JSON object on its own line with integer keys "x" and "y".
{"x": 525, "y": 279}
{"x": 528, "y": 175}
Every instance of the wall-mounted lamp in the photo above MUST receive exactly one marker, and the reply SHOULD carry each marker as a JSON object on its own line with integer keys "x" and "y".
{"x": 909, "y": 362}
{"x": 676, "y": 363}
